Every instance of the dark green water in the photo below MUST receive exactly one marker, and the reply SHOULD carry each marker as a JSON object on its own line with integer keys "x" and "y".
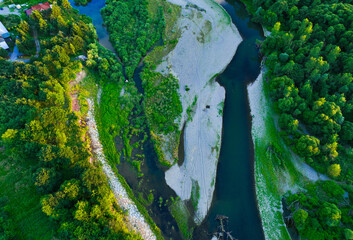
{"x": 235, "y": 190}
{"x": 92, "y": 10}
{"x": 235, "y": 187}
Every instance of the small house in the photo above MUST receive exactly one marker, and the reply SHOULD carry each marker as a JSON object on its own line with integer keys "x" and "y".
{"x": 39, "y": 7}
{"x": 18, "y": 6}
{"x": 3, "y": 31}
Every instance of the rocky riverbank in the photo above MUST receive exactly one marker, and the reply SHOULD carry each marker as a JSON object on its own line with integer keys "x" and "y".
{"x": 135, "y": 218}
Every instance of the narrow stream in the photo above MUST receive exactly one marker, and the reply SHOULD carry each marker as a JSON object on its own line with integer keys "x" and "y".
{"x": 234, "y": 194}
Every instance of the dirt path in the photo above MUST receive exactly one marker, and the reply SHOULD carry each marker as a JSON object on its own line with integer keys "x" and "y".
{"x": 74, "y": 93}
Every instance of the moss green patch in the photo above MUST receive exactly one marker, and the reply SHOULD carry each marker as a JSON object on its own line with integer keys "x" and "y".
{"x": 191, "y": 110}
{"x": 226, "y": 19}
{"x": 220, "y": 107}
{"x": 195, "y": 194}
{"x": 181, "y": 215}
{"x": 205, "y": 31}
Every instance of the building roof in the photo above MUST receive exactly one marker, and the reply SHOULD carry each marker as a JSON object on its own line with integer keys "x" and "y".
{"x": 3, "y": 44}
{"x": 39, "y": 7}
{"x": 3, "y": 31}
{"x": 28, "y": 12}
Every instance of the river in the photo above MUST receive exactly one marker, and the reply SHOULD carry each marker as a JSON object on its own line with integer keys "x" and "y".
{"x": 235, "y": 185}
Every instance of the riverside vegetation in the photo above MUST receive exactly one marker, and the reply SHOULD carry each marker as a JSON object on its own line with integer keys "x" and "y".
{"x": 41, "y": 132}
{"x": 143, "y": 32}
{"x": 309, "y": 62}
{"x": 135, "y": 27}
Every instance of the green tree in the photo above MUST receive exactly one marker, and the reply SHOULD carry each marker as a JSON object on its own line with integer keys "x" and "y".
{"x": 330, "y": 214}
{"x": 308, "y": 146}
{"x": 347, "y": 131}
{"x": 287, "y": 122}
{"x": 300, "y": 216}
{"x": 334, "y": 170}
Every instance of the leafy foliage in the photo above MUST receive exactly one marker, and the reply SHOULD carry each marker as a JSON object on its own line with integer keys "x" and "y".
{"x": 322, "y": 212}
{"x": 309, "y": 61}
{"x": 133, "y": 30}
{"x": 310, "y": 77}
{"x": 38, "y": 126}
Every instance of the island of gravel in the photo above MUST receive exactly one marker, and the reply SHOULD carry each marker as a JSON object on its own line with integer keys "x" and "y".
{"x": 207, "y": 44}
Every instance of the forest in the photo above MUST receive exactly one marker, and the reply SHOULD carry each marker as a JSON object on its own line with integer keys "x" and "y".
{"x": 133, "y": 31}
{"x": 309, "y": 62}
{"x": 40, "y": 130}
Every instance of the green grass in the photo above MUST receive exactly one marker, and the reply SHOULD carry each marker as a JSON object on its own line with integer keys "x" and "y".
{"x": 10, "y": 21}
{"x": 23, "y": 201}
{"x": 171, "y": 32}
{"x": 226, "y": 18}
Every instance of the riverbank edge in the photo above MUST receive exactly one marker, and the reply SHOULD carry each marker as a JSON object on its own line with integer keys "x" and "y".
{"x": 267, "y": 193}
{"x": 93, "y": 89}
{"x": 266, "y": 175}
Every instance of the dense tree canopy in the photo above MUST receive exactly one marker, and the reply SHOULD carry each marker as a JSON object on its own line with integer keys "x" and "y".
{"x": 309, "y": 58}
{"x": 38, "y": 126}
{"x": 133, "y": 30}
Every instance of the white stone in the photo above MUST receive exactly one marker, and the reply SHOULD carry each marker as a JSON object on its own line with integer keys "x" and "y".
{"x": 207, "y": 44}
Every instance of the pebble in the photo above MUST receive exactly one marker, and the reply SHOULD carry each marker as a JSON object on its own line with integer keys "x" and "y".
{"x": 135, "y": 218}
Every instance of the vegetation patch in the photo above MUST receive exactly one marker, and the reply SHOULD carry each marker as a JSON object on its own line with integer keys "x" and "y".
{"x": 133, "y": 29}
{"x": 161, "y": 102}
{"x": 322, "y": 212}
{"x": 273, "y": 178}
{"x": 182, "y": 216}
{"x": 195, "y": 194}
{"x": 39, "y": 128}
{"x": 21, "y": 214}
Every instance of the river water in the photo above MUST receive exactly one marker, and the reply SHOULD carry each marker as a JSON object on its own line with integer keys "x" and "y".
{"x": 235, "y": 186}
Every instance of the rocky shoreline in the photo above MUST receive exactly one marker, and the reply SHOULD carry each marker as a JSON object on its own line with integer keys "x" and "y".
{"x": 135, "y": 218}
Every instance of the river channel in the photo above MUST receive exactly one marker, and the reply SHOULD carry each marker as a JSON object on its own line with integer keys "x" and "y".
{"x": 234, "y": 194}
